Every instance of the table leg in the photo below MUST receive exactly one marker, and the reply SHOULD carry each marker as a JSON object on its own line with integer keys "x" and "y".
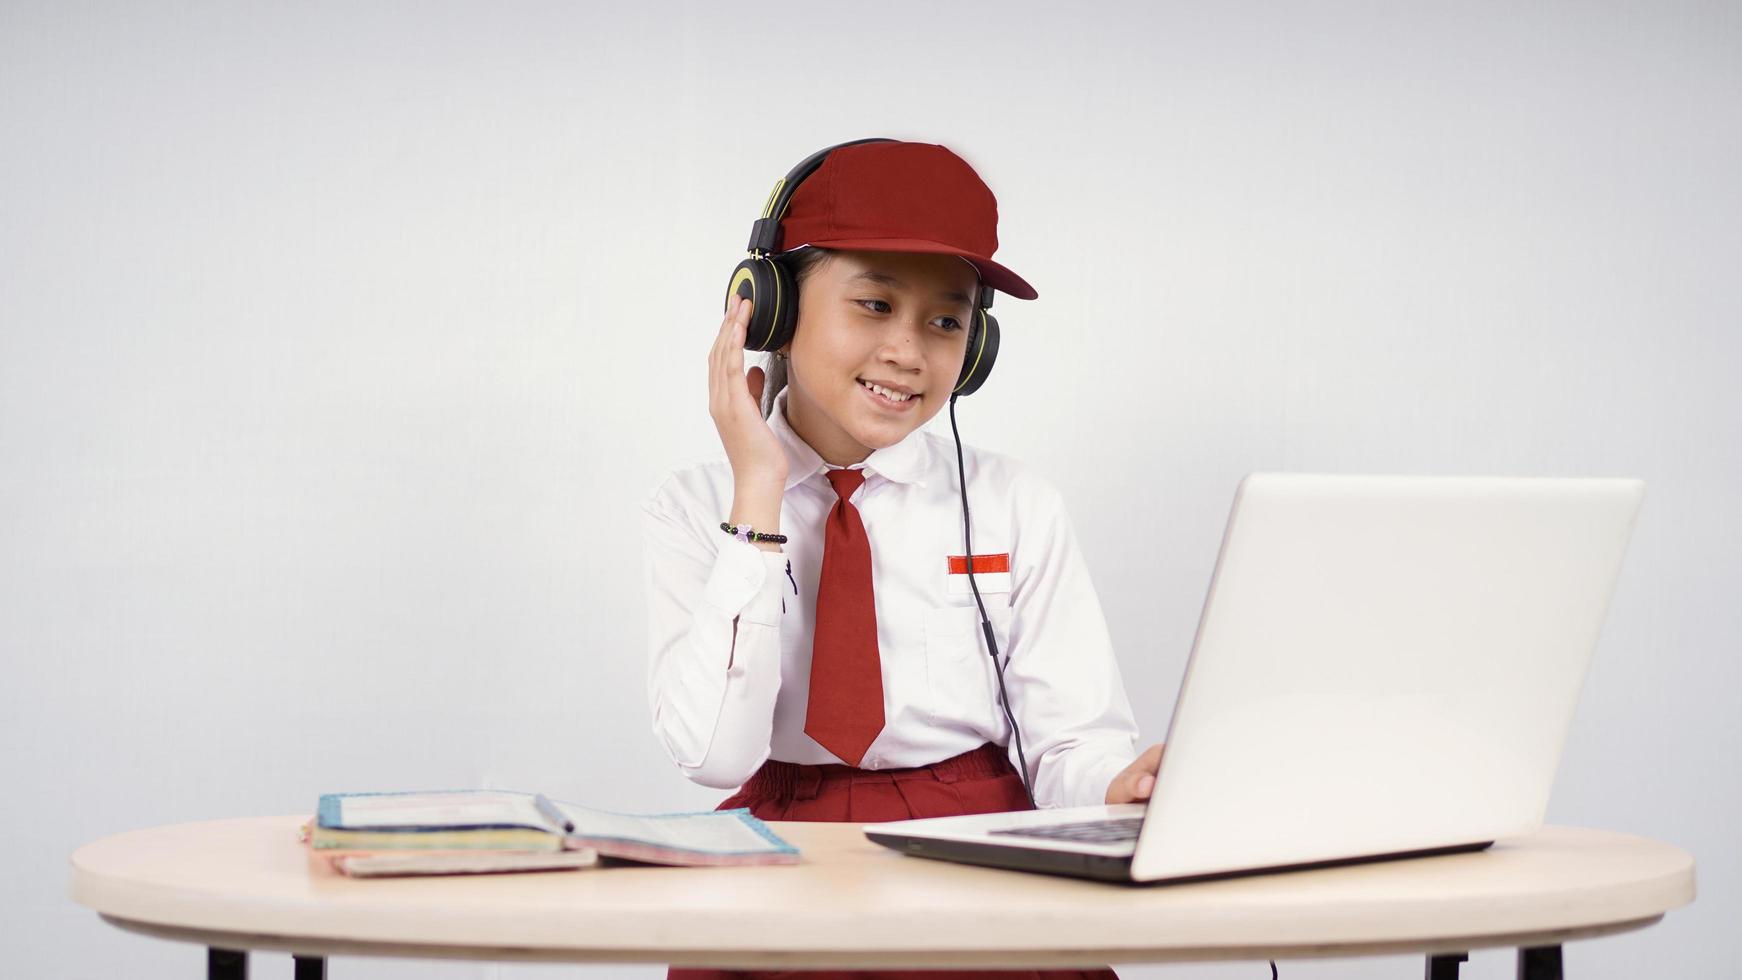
{"x": 1445, "y": 966}
{"x": 310, "y": 967}
{"x": 226, "y": 964}
{"x": 1539, "y": 963}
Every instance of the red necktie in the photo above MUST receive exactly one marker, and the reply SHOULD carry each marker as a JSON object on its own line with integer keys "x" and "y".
{"x": 846, "y": 698}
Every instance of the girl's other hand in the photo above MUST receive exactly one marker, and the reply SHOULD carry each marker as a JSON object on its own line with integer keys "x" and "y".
{"x": 1137, "y": 780}
{"x": 734, "y": 401}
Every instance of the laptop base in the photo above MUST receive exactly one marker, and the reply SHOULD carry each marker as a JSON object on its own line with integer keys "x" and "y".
{"x": 1103, "y": 868}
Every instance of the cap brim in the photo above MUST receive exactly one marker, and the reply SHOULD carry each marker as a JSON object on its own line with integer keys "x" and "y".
{"x": 991, "y": 273}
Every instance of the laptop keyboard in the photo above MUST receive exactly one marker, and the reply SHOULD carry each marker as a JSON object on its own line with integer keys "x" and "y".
{"x": 1087, "y": 831}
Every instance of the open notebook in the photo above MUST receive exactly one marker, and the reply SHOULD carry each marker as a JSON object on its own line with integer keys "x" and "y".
{"x": 499, "y": 827}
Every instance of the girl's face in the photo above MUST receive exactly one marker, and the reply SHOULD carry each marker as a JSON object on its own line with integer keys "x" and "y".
{"x": 895, "y": 320}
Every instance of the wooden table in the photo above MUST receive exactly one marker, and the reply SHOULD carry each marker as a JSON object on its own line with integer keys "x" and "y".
{"x": 247, "y": 884}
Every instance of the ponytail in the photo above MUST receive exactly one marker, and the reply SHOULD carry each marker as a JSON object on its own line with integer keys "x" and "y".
{"x": 773, "y": 380}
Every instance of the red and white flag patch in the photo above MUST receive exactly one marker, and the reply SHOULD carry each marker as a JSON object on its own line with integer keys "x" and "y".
{"x": 991, "y": 574}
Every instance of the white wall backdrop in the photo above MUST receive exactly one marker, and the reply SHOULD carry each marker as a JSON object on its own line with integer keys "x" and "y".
{"x": 338, "y": 343}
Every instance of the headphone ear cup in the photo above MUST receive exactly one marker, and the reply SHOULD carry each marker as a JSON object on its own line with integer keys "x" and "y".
{"x": 982, "y": 354}
{"x": 774, "y": 302}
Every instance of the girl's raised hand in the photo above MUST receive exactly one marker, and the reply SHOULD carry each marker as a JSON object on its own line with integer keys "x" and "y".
{"x": 734, "y": 401}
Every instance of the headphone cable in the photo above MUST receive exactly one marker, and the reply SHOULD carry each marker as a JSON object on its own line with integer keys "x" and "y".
{"x": 985, "y": 624}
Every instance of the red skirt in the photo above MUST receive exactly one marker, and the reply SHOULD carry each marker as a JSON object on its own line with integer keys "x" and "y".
{"x": 980, "y": 781}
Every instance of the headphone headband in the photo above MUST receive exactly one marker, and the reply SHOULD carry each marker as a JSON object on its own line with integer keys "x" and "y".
{"x": 765, "y": 232}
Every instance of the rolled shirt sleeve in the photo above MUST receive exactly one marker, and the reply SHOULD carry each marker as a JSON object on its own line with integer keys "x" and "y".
{"x": 714, "y": 611}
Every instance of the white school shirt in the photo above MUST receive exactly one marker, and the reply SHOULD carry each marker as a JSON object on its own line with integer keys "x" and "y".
{"x": 730, "y": 627}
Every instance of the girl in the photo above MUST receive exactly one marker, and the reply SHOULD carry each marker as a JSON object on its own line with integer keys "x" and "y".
{"x": 816, "y": 634}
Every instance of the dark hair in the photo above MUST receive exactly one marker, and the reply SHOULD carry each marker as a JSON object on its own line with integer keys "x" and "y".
{"x": 802, "y": 263}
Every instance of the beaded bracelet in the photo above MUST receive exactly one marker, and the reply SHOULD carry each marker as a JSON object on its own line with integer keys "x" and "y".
{"x": 743, "y": 533}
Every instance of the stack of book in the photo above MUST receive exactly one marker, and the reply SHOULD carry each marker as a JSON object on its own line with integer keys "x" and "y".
{"x": 479, "y": 831}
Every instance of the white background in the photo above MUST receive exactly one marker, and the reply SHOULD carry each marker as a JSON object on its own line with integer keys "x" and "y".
{"x": 339, "y": 342}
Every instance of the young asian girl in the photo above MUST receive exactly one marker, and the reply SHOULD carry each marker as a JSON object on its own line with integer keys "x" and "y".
{"x": 815, "y": 635}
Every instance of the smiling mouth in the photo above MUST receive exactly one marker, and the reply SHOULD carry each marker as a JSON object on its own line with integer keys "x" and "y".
{"x": 888, "y": 397}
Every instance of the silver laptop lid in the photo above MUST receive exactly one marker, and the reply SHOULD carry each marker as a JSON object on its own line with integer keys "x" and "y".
{"x": 1384, "y": 663}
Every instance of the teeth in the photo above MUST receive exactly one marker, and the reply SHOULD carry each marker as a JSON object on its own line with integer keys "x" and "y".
{"x": 894, "y": 396}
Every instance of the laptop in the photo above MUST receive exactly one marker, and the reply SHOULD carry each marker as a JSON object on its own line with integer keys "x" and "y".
{"x": 1385, "y": 667}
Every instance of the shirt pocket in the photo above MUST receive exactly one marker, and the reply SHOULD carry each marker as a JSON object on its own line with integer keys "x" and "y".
{"x": 959, "y": 672}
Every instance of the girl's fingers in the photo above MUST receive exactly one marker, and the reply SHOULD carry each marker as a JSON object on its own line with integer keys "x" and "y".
{"x": 1150, "y": 763}
{"x": 723, "y": 340}
{"x": 714, "y": 357}
{"x": 741, "y": 321}
{"x": 1139, "y": 777}
{"x": 726, "y": 328}
{"x": 732, "y": 329}
{"x": 743, "y": 318}
{"x": 726, "y": 359}
{"x": 734, "y": 354}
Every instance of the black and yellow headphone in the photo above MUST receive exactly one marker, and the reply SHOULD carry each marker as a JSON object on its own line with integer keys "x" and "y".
{"x": 769, "y": 285}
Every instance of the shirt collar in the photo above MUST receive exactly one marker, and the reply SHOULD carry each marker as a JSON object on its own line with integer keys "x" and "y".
{"x": 903, "y": 462}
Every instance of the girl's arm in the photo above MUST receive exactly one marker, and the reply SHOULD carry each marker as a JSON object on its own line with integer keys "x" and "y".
{"x": 714, "y": 603}
{"x": 714, "y": 609}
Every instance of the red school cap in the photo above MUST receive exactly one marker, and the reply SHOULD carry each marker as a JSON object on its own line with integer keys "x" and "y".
{"x": 900, "y": 197}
